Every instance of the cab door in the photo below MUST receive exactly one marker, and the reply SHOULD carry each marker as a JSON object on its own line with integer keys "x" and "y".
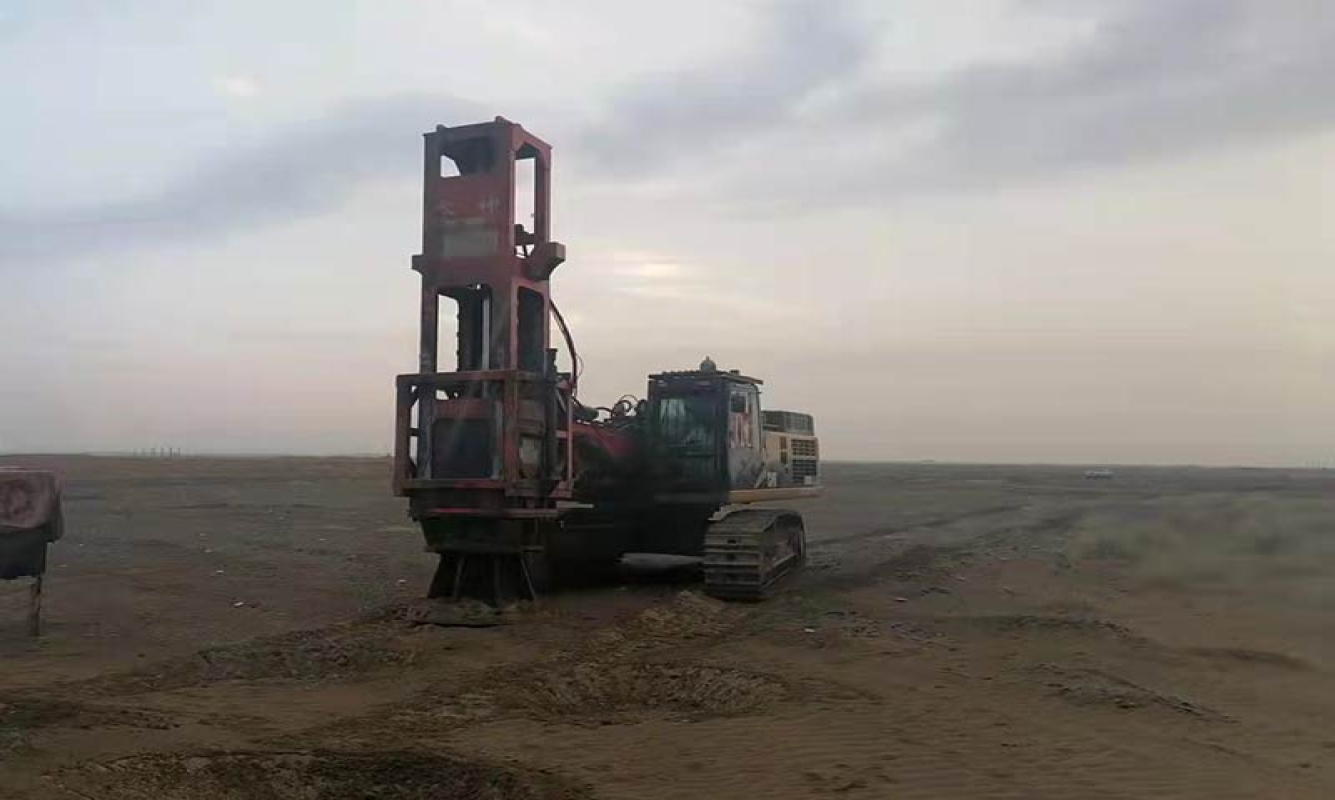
{"x": 745, "y": 443}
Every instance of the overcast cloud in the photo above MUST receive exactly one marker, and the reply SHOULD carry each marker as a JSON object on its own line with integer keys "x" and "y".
{"x": 1148, "y": 79}
{"x": 933, "y": 189}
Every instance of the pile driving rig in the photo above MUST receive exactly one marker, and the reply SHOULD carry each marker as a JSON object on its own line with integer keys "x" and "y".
{"x": 513, "y": 480}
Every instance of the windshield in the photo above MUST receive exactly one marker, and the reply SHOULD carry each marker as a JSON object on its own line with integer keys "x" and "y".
{"x": 686, "y": 421}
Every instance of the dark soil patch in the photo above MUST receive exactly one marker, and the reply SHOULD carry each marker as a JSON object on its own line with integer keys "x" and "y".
{"x": 599, "y": 692}
{"x": 314, "y": 775}
{"x": 303, "y": 656}
{"x": 1039, "y": 623}
{"x": 1242, "y": 655}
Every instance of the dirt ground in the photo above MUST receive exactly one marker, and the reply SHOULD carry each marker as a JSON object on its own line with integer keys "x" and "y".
{"x": 236, "y": 629}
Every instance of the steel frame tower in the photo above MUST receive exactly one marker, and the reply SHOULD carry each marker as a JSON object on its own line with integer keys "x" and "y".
{"x": 483, "y": 452}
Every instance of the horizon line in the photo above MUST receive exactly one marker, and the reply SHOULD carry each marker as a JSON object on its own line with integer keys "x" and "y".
{"x": 175, "y": 454}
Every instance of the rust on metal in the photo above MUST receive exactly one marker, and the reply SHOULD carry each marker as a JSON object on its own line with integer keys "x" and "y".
{"x": 485, "y": 441}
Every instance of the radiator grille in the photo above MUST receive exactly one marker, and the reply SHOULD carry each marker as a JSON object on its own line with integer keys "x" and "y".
{"x": 804, "y": 447}
{"x": 805, "y": 468}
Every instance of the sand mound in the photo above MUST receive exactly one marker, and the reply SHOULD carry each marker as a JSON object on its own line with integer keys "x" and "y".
{"x": 303, "y": 656}
{"x": 599, "y": 692}
{"x": 1097, "y": 688}
{"x": 691, "y": 689}
{"x": 688, "y": 615}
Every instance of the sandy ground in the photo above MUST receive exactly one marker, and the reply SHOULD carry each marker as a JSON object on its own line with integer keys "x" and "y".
{"x": 235, "y": 628}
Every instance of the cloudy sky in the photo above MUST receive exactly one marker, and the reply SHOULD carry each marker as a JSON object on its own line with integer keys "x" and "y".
{"x": 1003, "y": 230}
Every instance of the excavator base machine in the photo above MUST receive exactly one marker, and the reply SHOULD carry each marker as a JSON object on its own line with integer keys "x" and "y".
{"x": 514, "y": 481}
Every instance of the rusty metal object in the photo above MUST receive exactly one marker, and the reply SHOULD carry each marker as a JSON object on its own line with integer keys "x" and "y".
{"x": 30, "y": 519}
{"x": 482, "y": 452}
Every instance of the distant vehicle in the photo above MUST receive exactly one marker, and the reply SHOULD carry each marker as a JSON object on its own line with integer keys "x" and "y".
{"x": 1098, "y": 474}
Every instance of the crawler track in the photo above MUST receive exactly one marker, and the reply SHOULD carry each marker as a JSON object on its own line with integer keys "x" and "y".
{"x": 750, "y": 552}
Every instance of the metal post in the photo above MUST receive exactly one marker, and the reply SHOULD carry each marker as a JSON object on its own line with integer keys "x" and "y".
{"x": 427, "y": 363}
{"x": 551, "y": 470}
{"x": 35, "y": 607}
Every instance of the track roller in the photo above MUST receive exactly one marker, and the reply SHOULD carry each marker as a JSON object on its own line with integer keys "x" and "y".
{"x": 750, "y": 551}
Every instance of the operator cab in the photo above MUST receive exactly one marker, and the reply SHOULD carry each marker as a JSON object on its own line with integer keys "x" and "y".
{"x": 704, "y": 431}
{"x": 712, "y": 444}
